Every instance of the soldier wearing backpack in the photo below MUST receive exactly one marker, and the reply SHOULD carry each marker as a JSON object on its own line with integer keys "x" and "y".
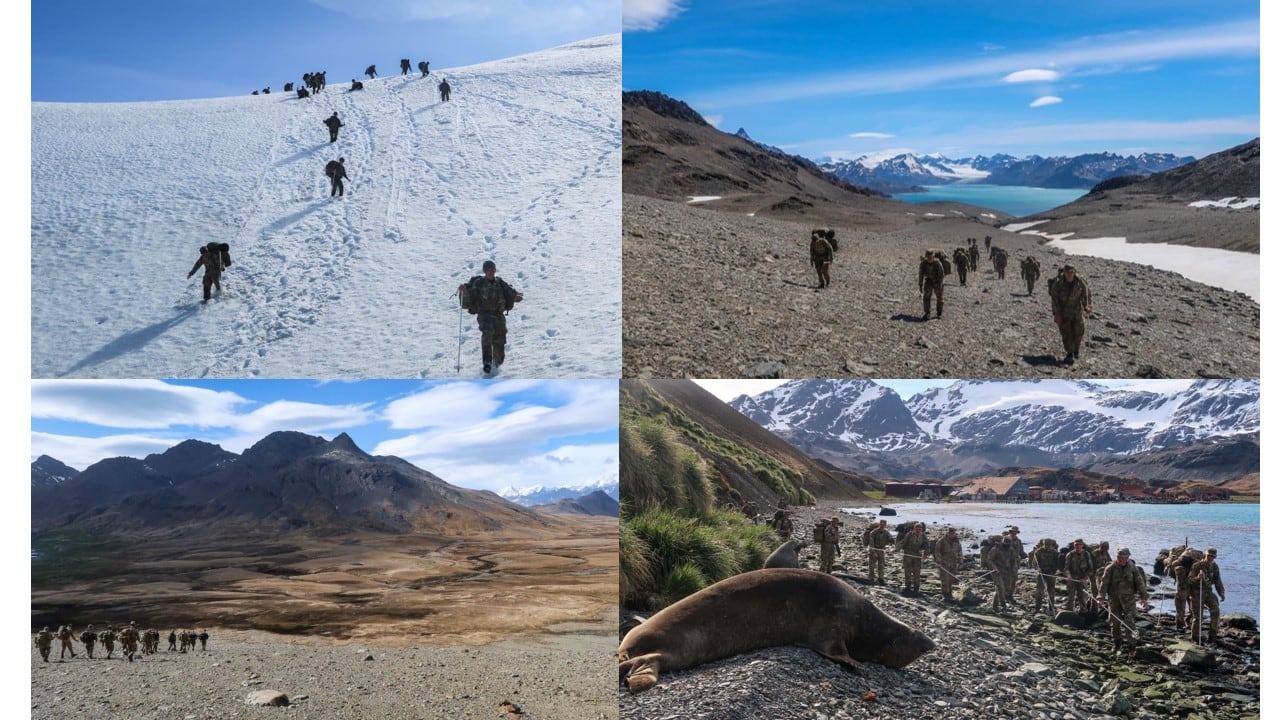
{"x": 1030, "y": 273}
{"x": 214, "y": 257}
{"x": 333, "y": 123}
{"x": 404, "y": 66}
{"x": 489, "y": 298}
{"x": 821, "y": 254}
{"x": 1069, "y": 295}
{"x": 930, "y": 280}
{"x": 445, "y": 89}
{"x": 1000, "y": 259}
{"x": 960, "y": 258}
{"x": 424, "y": 67}
{"x": 336, "y": 171}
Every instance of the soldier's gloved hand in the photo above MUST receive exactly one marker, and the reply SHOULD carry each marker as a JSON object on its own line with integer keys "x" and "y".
{"x": 189, "y": 275}
{"x": 519, "y": 297}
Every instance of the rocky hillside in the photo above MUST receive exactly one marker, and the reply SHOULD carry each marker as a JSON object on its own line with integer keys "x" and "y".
{"x": 46, "y": 471}
{"x": 1158, "y": 208}
{"x": 717, "y": 293}
{"x": 742, "y": 452}
{"x": 287, "y": 480}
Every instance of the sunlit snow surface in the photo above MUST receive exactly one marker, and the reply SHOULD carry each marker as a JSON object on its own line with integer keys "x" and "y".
{"x": 522, "y": 166}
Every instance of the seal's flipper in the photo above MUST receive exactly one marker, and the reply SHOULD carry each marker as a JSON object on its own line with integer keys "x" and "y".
{"x": 640, "y": 673}
{"x": 835, "y": 650}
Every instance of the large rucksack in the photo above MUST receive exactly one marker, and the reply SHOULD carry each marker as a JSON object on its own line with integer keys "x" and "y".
{"x": 946, "y": 263}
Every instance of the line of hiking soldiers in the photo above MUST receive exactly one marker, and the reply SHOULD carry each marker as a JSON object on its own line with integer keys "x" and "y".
{"x": 129, "y": 636}
{"x": 1068, "y": 292}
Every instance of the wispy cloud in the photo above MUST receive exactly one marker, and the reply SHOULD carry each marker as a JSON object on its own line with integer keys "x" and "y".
{"x": 991, "y": 47}
{"x": 1033, "y": 75}
{"x": 140, "y": 404}
{"x": 715, "y": 120}
{"x": 1235, "y": 39}
{"x": 1046, "y": 100}
{"x": 648, "y": 14}
{"x": 876, "y": 135}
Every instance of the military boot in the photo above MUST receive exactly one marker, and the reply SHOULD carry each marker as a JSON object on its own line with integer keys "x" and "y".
{"x": 926, "y": 307}
{"x": 939, "y": 309}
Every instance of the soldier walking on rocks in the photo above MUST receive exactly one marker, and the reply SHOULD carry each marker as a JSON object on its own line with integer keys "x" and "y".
{"x": 44, "y": 642}
{"x": 1101, "y": 554}
{"x": 66, "y": 639}
{"x": 960, "y": 258}
{"x": 108, "y": 638}
{"x": 1078, "y": 567}
{"x": 930, "y": 280}
{"x": 1181, "y": 581}
{"x": 1069, "y": 295}
{"x": 88, "y": 638}
{"x": 204, "y": 639}
{"x": 913, "y": 547}
{"x": 1122, "y": 584}
{"x": 1030, "y": 273}
{"x": 821, "y": 255}
{"x": 173, "y": 640}
{"x": 784, "y": 527}
{"x": 1204, "y": 579}
{"x": 129, "y": 641}
{"x": 1001, "y": 260}
{"x": 948, "y": 554}
{"x": 877, "y": 540}
{"x": 830, "y": 545}
{"x": 1046, "y": 561}
{"x": 1002, "y": 561}
{"x": 973, "y": 254}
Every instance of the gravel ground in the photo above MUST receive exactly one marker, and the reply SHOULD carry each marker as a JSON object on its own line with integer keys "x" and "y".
{"x": 718, "y": 294}
{"x": 985, "y": 665}
{"x": 550, "y": 677}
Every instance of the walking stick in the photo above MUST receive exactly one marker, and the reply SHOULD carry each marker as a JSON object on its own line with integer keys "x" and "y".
{"x": 459, "y": 369}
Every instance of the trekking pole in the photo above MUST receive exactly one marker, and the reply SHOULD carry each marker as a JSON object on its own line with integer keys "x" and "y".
{"x": 459, "y": 369}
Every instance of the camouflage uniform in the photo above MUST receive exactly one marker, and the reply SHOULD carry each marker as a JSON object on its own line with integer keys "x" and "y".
{"x": 1020, "y": 556}
{"x": 108, "y": 638}
{"x": 1002, "y": 561}
{"x": 821, "y": 256}
{"x": 1078, "y": 567}
{"x": 173, "y": 640}
{"x": 879, "y": 539}
{"x": 129, "y": 641}
{"x": 973, "y": 256}
{"x": 1045, "y": 560}
{"x": 66, "y": 639}
{"x": 1203, "y": 579}
{"x": 784, "y": 527}
{"x": 948, "y": 555}
{"x": 213, "y": 263}
{"x": 930, "y": 281}
{"x": 960, "y": 259}
{"x": 1122, "y": 585}
{"x": 1070, "y": 302}
{"x": 1000, "y": 259}
{"x": 1101, "y": 559}
{"x": 204, "y": 639}
{"x": 914, "y": 548}
{"x": 44, "y": 641}
{"x": 830, "y": 542}
{"x": 88, "y": 638}
{"x": 1180, "y": 595}
{"x": 1030, "y": 273}
{"x": 490, "y": 298}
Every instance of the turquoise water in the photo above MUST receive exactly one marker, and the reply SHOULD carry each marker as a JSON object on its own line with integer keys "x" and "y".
{"x": 1144, "y": 529}
{"x": 1013, "y": 199}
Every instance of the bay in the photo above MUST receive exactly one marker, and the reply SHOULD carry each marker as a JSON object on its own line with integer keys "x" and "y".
{"x": 1145, "y": 529}
{"x": 1017, "y": 200}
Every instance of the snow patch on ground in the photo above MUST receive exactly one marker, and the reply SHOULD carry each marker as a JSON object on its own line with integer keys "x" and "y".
{"x": 1225, "y": 269}
{"x": 703, "y": 198}
{"x": 1231, "y": 203}
{"x": 1019, "y": 227}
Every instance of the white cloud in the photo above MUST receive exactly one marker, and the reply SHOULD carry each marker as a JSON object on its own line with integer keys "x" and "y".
{"x": 303, "y": 417}
{"x": 1238, "y": 39}
{"x": 714, "y": 120}
{"x": 648, "y": 14}
{"x": 566, "y": 466}
{"x": 81, "y": 452}
{"x": 1046, "y": 100}
{"x": 1033, "y": 75}
{"x": 876, "y": 135}
{"x": 451, "y": 404}
{"x": 132, "y": 403}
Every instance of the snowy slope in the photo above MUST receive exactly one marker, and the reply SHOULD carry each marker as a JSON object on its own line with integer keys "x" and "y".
{"x": 858, "y": 412}
{"x": 523, "y": 166}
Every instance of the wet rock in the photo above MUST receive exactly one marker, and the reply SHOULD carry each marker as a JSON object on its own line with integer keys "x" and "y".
{"x": 1185, "y": 653}
{"x": 1240, "y": 621}
{"x": 1073, "y": 620}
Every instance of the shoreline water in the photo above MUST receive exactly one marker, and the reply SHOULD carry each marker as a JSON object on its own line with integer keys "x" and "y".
{"x": 1016, "y": 200}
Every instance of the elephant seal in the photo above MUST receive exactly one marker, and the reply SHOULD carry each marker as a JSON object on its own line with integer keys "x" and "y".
{"x": 786, "y": 556}
{"x": 765, "y": 608}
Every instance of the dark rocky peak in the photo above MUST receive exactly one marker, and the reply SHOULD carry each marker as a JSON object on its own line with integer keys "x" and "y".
{"x": 279, "y": 449}
{"x": 344, "y": 443}
{"x": 49, "y": 471}
{"x": 189, "y": 458}
{"x": 662, "y": 105}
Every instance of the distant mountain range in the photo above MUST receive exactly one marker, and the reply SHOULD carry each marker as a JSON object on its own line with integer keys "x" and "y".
{"x": 907, "y": 172}
{"x": 539, "y": 495}
{"x": 973, "y": 426}
{"x": 287, "y": 480}
{"x": 594, "y": 503}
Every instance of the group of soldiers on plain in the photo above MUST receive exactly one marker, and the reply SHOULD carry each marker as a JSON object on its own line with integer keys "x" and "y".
{"x": 1092, "y": 580}
{"x": 133, "y": 642}
{"x": 1068, "y": 292}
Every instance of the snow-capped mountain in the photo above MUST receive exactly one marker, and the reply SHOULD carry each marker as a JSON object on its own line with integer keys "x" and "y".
{"x": 540, "y": 495}
{"x": 901, "y": 172}
{"x": 47, "y": 471}
{"x": 1059, "y": 417}
{"x": 522, "y": 166}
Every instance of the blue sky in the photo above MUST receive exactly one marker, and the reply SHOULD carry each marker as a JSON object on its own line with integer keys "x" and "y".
{"x": 483, "y": 435}
{"x": 843, "y": 79}
{"x": 174, "y": 49}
